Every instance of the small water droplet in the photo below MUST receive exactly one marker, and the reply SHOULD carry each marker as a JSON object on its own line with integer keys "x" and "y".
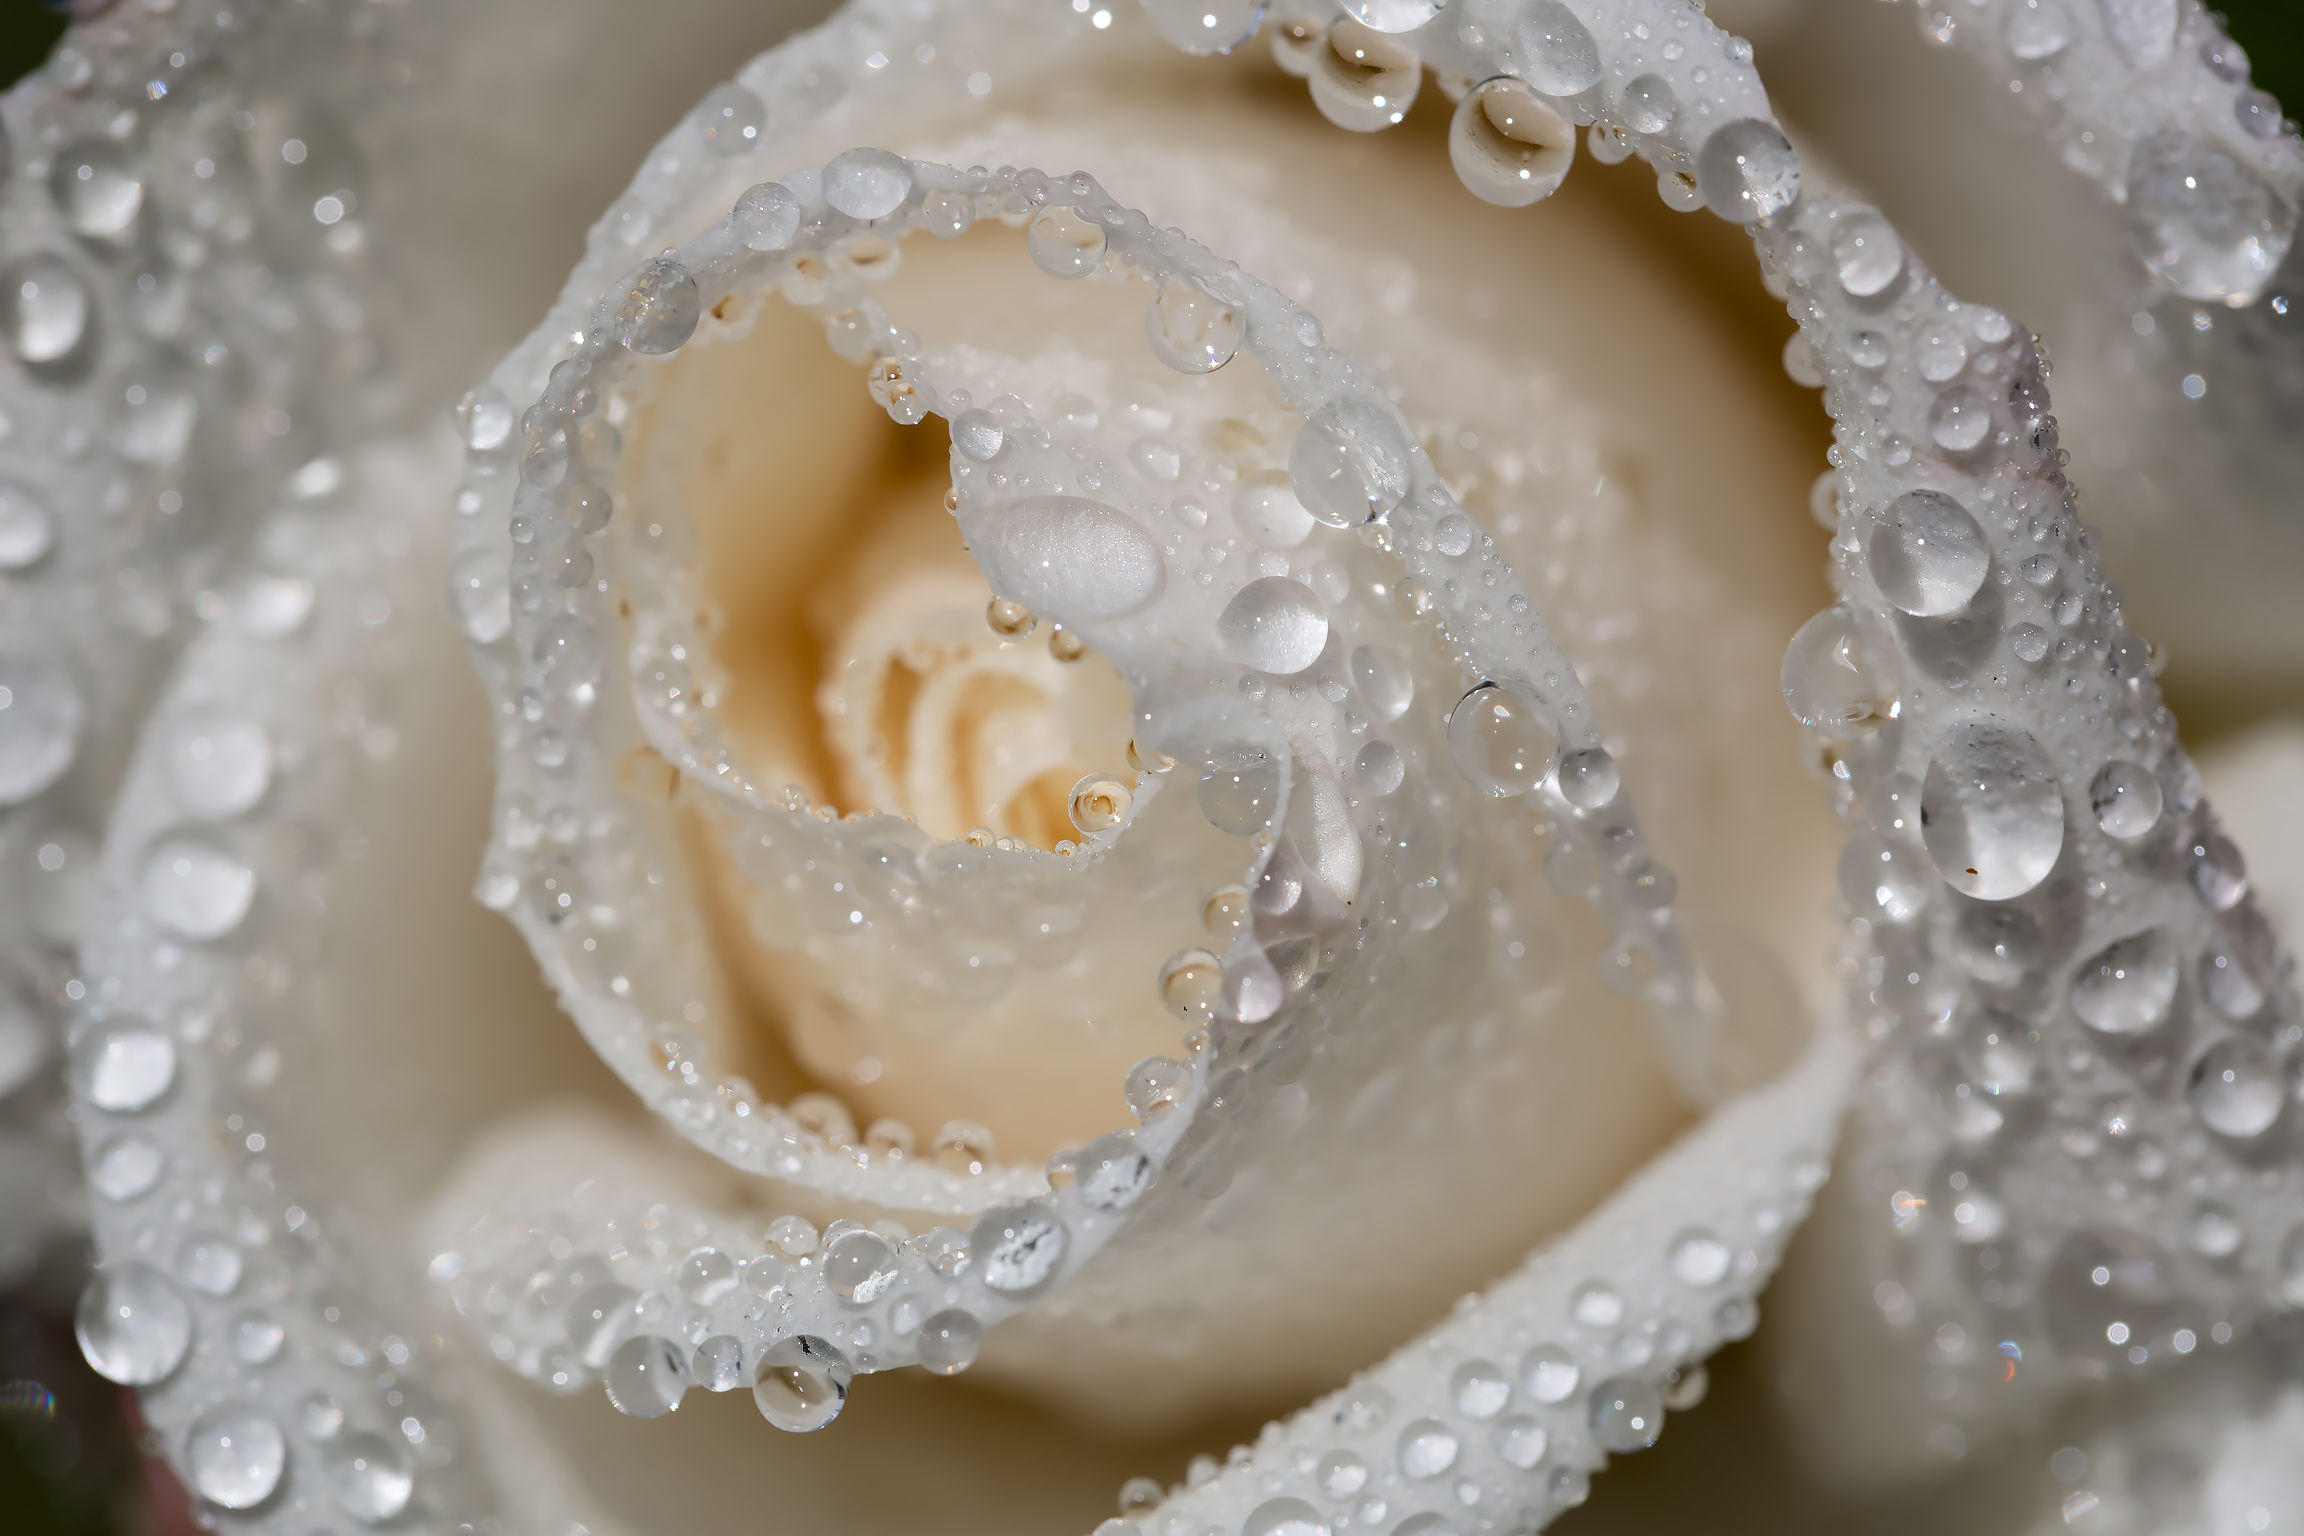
{"x": 368, "y": 1476}
{"x": 1830, "y": 678}
{"x": 802, "y": 1383}
{"x": 1065, "y": 244}
{"x": 44, "y": 309}
{"x": 1385, "y": 680}
{"x": 1560, "y": 56}
{"x": 1866, "y": 253}
{"x": 2236, "y": 1089}
{"x": 1589, "y": 778}
{"x": 1205, "y": 27}
{"x": 867, "y": 183}
{"x": 1426, "y": 1449}
{"x": 2127, "y": 987}
{"x": 235, "y": 1456}
{"x": 1189, "y": 330}
{"x": 2126, "y": 799}
{"x": 948, "y": 1341}
{"x": 126, "y": 1066}
{"x": 1362, "y": 79}
{"x": 766, "y": 217}
{"x": 195, "y": 889}
{"x": 1018, "y": 1248}
{"x": 27, "y": 528}
{"x": 647, "y": 1377}
{"x": 132, "y": 1325}
{"x": 1699, "y": 1259}
{"x": 1501, "y": 743}
{"x": 1479, "y": 1389}
{"x": 732, "y": 120}
{"x": 1959, "y": 420}
{"x": 1274, "y": 624}
{"x": 659, "y": 308}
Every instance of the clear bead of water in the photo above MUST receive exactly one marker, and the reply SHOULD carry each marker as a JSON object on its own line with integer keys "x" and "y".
{"x": 802, "y": 1383}
{"x": 1927, "y": 555}
{"x": 1274, "y": 624}
{"x": 132, "y": 1324}
{"x": 2127, "y": 987}
{"x": 2236, "y": 1089}
{"x": 949, "y": 1341}
{"x": 1501, "y": 742}
{"x": 647, "y": 1376}
{"x": 235, "y": 1456}
{"x": 1991, "y": 813}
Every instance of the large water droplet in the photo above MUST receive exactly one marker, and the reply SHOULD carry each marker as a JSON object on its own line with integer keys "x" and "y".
{"x": 44, "y": 309}
{"x": 1648, "y": 104}
{"x": 1549, "y": 1373}
{"x": 96, "y": 189}
{"x": 732, "y": 120}
{"x": 1699, "y": 1259}
{"x": 1520, "y": 1441}
{"x": 1363, "y": 80}
{"x": 2203, "y": 222}
{"x": 1350, "y": 463}
{"x": 1073, "y": 560}
{"x": 132, "y": 1324}
{"x": 1502, "y": 743}
{"x": 126, "y": 1167}
{"x": 802, "y": 1383}
{"x": 948, "y": 1342}
{"x": 1426, "y": 1448}
{"x": 1991, "y": 815}
{"x": 1831, "y": 680}
{"x": 1508, "y": 145}
{"x": 1927, "y": 554}
{"x": 867, "y": 183}
{"x": 659, "y": 309}
{"x": 125, "y": 1067}
{"x": 766, "y": 217}
{"x": 235, "y": 1456}
{"x": 647, "y": 1376}
{"x": 2219, "y": 873}
{"x": 2126, "y": 799}
{"x": 1560, "y": 56}
{"x": 1063, "y": 243}
{"x": 1018, "y": 1248}
{"x": 1274, "y": 624}
{"x": 2229, "y": 984}
{"x": 1627, "y": 1413}
{"x": 1866, "y": 253}
{"x": 1960, "y": 419}
{"x": 2127, "y": 987}
{"x": 368, "y": 1476}
{"x": 1189, "y": 330}
{"x": 1205, "y": 27}
{"x": 1747, "y": 171}
{"x": 2236, "y": 1088}
{"x": 860, "y": 1266}
{"x": 1240, "y": 790}
{"x": 195, "y": 889}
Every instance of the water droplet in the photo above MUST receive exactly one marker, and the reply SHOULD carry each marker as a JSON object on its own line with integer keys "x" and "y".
{"x": 1426, "y": 1449}
{"x": 1508, "y": 145}
{"x": 44, "y": 309}
{"x": 647, "y": 1377}
{"x": 766, "y": 217}
{"x": 659, "y": 309}
{"x": 2219, "y": 873}
{"x": 802, "y": 1383}
{"x": 1560, "y": 56}
{"x": 1100, "y": 802}
{"x": 1111, "y": 1173}
{"x": 1392, "y": 15}
{"x": 368, "y": 1476}
{"x": 597, "y": 1321}
{"x": 1363, "y": 80}
{"x": 1240, "y": 790}
{"x": 2236, "y": 1089}
{"x": 1502, "y": 744}
{"x": 1341, "y": 1474}
{"x": 2126, "y": 799}
{"x": 1349, "y": 464}
{"x": 867, "y": 183}
{"x": 948, "y": 1341}
{"x": 1747, "y": 171}
{"x": 132, "y": 1325}
{"x": 1829, "y": 680}
{"x": 195, "y": 889}
{"x": 1065, "y": 244}
{"x": 706, "y": 1276}
{"x": 719, "y": 1364}
{"x": 1379, "y": 769}
{"x": 1685, "y": 1388}
{"x": 1866, "y": 253}
{"x": 1627, "y": 1413}
{"x": 219, "y": 765}
{"x": 1959, "y": 420}
{"x": 235, "y": 1456}
{"x": 1274, "y": 624}
{"x": 1191, "y": 985}
{"x": 1479, "y": 1389}
{"x": 319, "y": 1416}
{"x": 1190, "y": 331}
{"x": 1589, "y": 778}
{"x": 209, "y": 1264}
{"x": 2126, "y": 987}
{"x": 96, "y": 189}
{"x": 1205, "y": 27}
{"x": 2038, "y": 29}
{"x": 126, "y": 1168}
{"x": 2215, "y": 1232}
{"x": 26, "y": 527}
{"x": 1991, "y": 815}
{"x": 1520, "y": 1441}
{"x": 732, "y": 119}
{"x": 127, "y": 1066}
{"x": 1284, "y": 1517}
{"x": 1073, "y": 560}
{"x": 860, "y": 1267}
{"x": 1699, "y": 1259}
{"x": 1927, "y": 554}
{"x": 40, "y": 718}
{"x": 1018, "y": 1248}
{"x": 1385, "y": 680}
{"x": 1999, "y": 1054}
{"x": 2229, "y": 985}
{"x": 1596, "y": 1305}
{"x": 1648, "y": 104}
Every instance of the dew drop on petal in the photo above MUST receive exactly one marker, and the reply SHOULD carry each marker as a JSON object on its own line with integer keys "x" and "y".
{"x": 44, "y": 309}
{"x": 1100, "y": 802}
{"x": 707, "y": 1275}
{"x": 1070, "y": 559}
{"x": 1349, "y": 464}
{"x": 1830, "y": 681}
{"x": 1064, "y": 243}
{"x": 1385, "y": 680}
{"x": 1341, "y": 1474}
{"x": 719, "y": 1364}
{"x": 480, "y": 595}
{"x": 732, "y": 120}
{"x": 802, "y": 1383}
{"x": 219, "y": 765}
{"x": 235, "y": 1456}
{"x": 1589, "y": 778}
{"x": 368, "y": 1476}
{"x": 1479, "y": 1389}
{"x": 1426, "y": 1448}
{"x": 2128, "y": 986}
{"x": 1699, "y": 1259}
{"x": 2126, "y": 799}
{"x": 1191, "y": 985}
{"x": 27, "y": 528}
{"x": 256, "y": 1337}
{"x": 1189, "y": 330}
{"x": 1240, "y": 790}
{"x": 1392, "y": 15}
{"x": 1274, "y": 624}
{"x": 2236, "y": 1089}
{"x": 867, "y": 183}
{"x": 860, "y": 1266}
{"x": 1648, "y": 104}
{"x": 195, "y": 889}
{"x": 40, "y": 718}
{"x": 659, "y": 309}
{"x": 1520, "y": 1441}
{"x": 1501, "y": 743}
{"x": 1379, "y": 769}
{"x": 1626, "y": 1413}
{"x": 96, "y": 188}
{"x": 647, "y": 1376}
{"x": 1560, "y": 56}
{"x": 1596, "y": 1305}
{"x": 1205, "y": 27}
{"x": 1927, "y": 554}
{"x": 1018, "y": 1248}
{"x": 1866, "y": 253}
{"x": 126, "y": 1066}
{"x": 949, "y": 1340}
{"x": 132, "y": 1325}
{"x": 2038, "y": 29}
{"x": 2229, "y": 985}
{"x": 766, "y": 217}
{"x": 1508, "y": 145}
{"x": 1747, "y": 171}
{"x": 1363, "y": 80}
{"x": 1284, "y": 1517}
{"x": 2205, "y": 223}
{"x": 126, "y": 1168}
{"x": 1991, "y": 814}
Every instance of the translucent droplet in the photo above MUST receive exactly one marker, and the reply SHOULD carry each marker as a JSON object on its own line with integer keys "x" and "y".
{"x": 1560, "y": 56}
{"x": 1192, "y": 985}
{"x": 860, "y": 1266}
{"x": 1426, "y": 1448}
{"x": 949, "y": 1340}
{"x": 1627, "y": 1413}
{"x": 1112, "y": 1173}
{"x": 2215, "y": 1232}
{"x": 96, "y": 189}
{"x": 1927, "y": 554}
{"x": 1520, "y": 1441}
{"x": 1349, "y": 464}
{"x": 126, "y": 1168}
{"x": 1379, "y": 769}
{"x": 2126, "y": 987}
{"x": 1190, "y": 331}
{"x": 1685, "y": 1388}
{"x": 802, "y": 1383}
{"x": 44, "y": 309}
{"x": 1479, "y": 1389}
{"x": 219, "y": 765}
{"x": 1063, "y": 243}
{"x": 947, "y": 215}
{"x": 1589, "y": 778}
{"x": 127, "y": 1066}
{"x": 963, "y": 1147}
{"x": 597, "y": 1321}
{"x": 1596, "y": 1305}
{"x": 2236, "y": 1089}
{"x": 319, "y": 1416}
{"x": 1648, "y": 104}
{"x": 1747, "y": 171}
{"x": 1883, "y": 881}
{"x": 1363, "y": 80}
{"x": 1829, "y": 680}
{"x": 1284, "y": 1517}
{"x": 1991, "y": 815}
{"x": 1067, "y": 558}
{"x": 1240, "y": 790}
{"x": 1959, "y": 420}
{"x": 647, "y": 1376}
{"x": 2038, "y": 29}
{"x": 1999, "y": 1054}
{"x": 2219, "y": 873}
{"x": 1205, "y": 27}
{"x": 480, "y": 593}
{"x": 732, "y": 120}
{"x": 368, "y": 1476}
{"x": 1018, "y": 1248}
{"x": 1341, "y": 1474}
{"x": 195, "y": 889}
{"x": 719, "y": 1364}
{"x": 209, "y": 1264}
{"x": 1385, "y": 680}
{"x": 1392, "y": 15}
{"x": 1100, "y": 802}
{"x": 26, "y": 526}
{"x": 1508, "y": 145}
{"x": 1699, "y": 1259}
{"x": 40, "y": 718}
{"x": 1502, "y": 744}
{"x": 659, "y": 309}
{"x": 1274, "y": 624}
{"x": 2126, "y": 799}
{"x": 235, "y": 1456}
{"x": 2229, "y": 985}
{"x": 867, "y": 183}
{"x": 707, "y": 1275}
{"x": 1866, "y": 253}
{"x": 132, "y": 1325}
{"x": 766, "y": 217}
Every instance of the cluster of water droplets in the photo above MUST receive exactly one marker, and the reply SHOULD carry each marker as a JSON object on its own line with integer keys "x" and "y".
{"x": 2084, "y": 1128}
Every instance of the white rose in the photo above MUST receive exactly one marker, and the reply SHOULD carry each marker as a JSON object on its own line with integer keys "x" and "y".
{"x": 863, "y": 1038}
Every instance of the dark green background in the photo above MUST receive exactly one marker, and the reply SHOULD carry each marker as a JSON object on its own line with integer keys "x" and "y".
{"x": 67, "y": 1461}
